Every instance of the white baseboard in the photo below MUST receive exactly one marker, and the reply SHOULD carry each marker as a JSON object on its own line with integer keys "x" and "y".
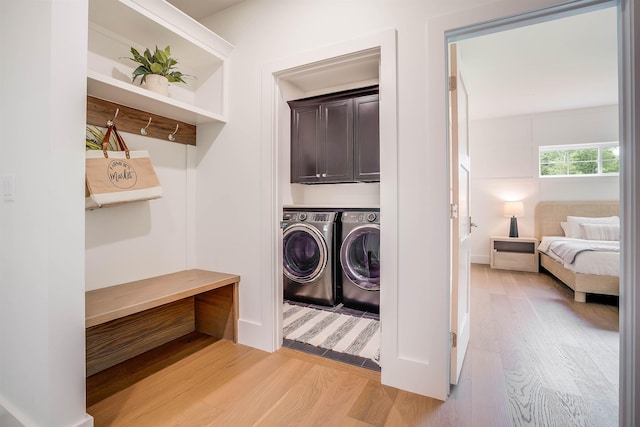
{"x": 87, "y": 422}
{"x": 480, "y": 259}
{"x": 255, "y": 335}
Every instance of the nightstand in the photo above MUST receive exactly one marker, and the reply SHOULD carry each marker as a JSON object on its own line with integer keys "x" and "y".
{"x": 514, "y": 253}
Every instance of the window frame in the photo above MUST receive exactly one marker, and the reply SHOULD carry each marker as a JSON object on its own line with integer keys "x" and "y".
{"x": 566, "y": 147}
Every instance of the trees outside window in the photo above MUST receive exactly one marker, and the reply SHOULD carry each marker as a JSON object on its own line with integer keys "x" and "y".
{"x": 580, "y": 160}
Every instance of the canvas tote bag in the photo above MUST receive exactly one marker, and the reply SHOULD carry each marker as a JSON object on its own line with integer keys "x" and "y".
{"x": 115, "y": 177}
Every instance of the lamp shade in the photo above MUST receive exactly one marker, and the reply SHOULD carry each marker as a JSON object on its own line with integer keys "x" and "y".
{"x": 512, "y": 209}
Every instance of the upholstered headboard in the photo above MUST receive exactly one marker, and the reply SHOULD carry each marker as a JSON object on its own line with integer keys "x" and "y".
{"x": 550, "y": 214}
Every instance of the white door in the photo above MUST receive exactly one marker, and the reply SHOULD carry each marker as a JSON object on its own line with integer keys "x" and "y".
{"x": 461, "y": 220}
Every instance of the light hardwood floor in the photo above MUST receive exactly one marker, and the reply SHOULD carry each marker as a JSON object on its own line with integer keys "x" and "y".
{"x": 536, "y": 357}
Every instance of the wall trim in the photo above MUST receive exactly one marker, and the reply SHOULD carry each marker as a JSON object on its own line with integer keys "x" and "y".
{"x": 629, "y": 198}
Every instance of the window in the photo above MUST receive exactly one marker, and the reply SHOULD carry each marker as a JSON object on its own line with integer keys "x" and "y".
{"x": 583, "y": 160}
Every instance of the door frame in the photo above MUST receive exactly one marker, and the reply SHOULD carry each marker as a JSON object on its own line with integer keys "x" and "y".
{"x": 274, "y": 151}
{"x": 629, "y": 115}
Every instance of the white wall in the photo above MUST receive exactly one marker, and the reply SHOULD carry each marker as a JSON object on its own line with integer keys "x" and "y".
{"x": 360, "y": 194}
{"x": 504, "y": 166}
{"x": 143, "y": 239}
{"x": 42, "y": 115}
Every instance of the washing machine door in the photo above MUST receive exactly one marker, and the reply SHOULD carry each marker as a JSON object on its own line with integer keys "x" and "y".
{"x": 360, "y": 256}
{"x": 305, "y": 253}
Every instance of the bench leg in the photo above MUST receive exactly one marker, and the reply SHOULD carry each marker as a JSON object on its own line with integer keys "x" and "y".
{"x": 580, "y": 296}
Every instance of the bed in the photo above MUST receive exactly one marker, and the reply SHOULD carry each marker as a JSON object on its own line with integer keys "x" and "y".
{"x": 605, "y": 281}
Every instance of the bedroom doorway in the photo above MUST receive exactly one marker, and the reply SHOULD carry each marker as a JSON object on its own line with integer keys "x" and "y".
{"x": 459, "y": 265}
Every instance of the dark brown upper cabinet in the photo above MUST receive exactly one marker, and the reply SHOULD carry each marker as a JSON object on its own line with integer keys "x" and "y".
{"x": 335, "y": 138}
{"x": 366, "y": 139}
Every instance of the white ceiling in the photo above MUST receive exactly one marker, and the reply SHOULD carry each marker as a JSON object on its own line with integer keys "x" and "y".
{"x": 557, "y": 65}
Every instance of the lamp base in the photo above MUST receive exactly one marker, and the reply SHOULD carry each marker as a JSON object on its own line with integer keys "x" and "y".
{"x": 513, "y": 230}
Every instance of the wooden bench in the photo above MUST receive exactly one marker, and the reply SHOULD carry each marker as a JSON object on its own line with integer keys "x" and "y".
{"x": 126, "y": 320}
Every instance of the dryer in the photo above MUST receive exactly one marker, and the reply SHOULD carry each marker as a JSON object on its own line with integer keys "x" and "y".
{"x": 360, "y": 260}
{"x": 308, "y": 252}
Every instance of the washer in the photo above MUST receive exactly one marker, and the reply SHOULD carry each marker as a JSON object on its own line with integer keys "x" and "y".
{"x": 308, "y": 252}
{"x": 360, "y": 260}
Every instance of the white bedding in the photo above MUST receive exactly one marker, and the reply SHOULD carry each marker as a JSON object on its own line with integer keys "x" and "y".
{"x": 587, "y": 262}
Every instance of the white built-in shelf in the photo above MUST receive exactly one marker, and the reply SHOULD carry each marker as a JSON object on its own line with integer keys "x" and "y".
{"x": 134, "y": 96}
{"x": 117, "y": 25}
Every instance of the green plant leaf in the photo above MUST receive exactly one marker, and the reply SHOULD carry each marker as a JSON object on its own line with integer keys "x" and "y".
{"x": 141, "y": 71}
{"x": 162, "y": 56}
{"x": 148, "y": 56}
{"x": 156, "y": 68}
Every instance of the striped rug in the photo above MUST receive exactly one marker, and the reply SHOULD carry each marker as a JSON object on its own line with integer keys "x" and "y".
{"x": 334, "y": 331}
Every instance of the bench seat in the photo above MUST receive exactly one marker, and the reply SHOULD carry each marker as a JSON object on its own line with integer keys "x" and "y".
{"x": 123, "y": 321}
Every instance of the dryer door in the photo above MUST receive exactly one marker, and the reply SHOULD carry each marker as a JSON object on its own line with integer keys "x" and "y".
{"x": 360, "y": 256}
{"x": 305, "y": 253}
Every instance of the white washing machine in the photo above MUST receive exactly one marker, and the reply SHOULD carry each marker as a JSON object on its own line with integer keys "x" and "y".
{"x": 360, "y": 260}
{"x": 308, "y": 253}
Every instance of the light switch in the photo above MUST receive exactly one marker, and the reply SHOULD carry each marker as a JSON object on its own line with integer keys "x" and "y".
{"x": 9, "y": 188}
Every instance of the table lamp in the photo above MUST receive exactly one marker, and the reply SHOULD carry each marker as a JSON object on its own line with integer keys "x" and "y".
{"x": 513, "y": 210}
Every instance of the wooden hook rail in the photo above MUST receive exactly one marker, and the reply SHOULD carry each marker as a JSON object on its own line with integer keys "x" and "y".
{"x": 131, "y": 120}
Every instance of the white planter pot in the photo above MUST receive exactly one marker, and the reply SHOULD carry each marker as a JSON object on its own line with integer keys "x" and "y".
{"x": 157, "y": 83}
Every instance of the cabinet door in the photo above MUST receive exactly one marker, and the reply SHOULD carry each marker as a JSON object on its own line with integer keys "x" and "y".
{"x": 336, "y": 159}
{"x": 306, "y": 145}
{"x": 366, "y": 138}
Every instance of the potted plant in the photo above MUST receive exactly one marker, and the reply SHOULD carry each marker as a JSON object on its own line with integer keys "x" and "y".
{"x": 156, "y": 70}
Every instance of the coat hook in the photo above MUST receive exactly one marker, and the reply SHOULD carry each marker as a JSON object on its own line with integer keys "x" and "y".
{"x": 110, "y": 122}
{"x": 143, "y": 131}
{"x": 172, "y": 135}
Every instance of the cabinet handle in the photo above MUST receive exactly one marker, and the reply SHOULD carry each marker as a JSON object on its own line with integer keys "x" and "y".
{"x": 324, "y": 175}
{"x": 317, "y": 175}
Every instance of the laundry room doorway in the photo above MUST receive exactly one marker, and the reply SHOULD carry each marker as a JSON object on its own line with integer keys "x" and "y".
{"x": 351, "y": 65}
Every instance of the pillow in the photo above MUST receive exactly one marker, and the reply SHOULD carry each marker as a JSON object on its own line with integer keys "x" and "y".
{"x": 601, "y": 231}
{"x": 572, "y": 229}
{"x": 594, "y": 220}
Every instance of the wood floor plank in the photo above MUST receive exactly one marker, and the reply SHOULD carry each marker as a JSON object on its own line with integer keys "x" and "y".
{"x": 251, "y": 405}
{"x": 544, "y": 337}
{"x": 317, "y": 360}
{"x": 528, "y": 403}
{"x": 593, "y": 386}
{"x": 488, "y": 390}
{"x": 134, "y": 402}
{"x": 180, "y": 412}
{"x": 483, "y": 330}
{"x": 374, "y": 404}
{"x": 569, "y": 409}
{"x": 333, "y": 406}
{"x": 299, "y": 399}
{"x": 512, "y": 281}
{"x": 229, "y": 393}
{"x": 459, "y": 403}
{"x": 410, "y": 409}
{"x": 512, "y": 343}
